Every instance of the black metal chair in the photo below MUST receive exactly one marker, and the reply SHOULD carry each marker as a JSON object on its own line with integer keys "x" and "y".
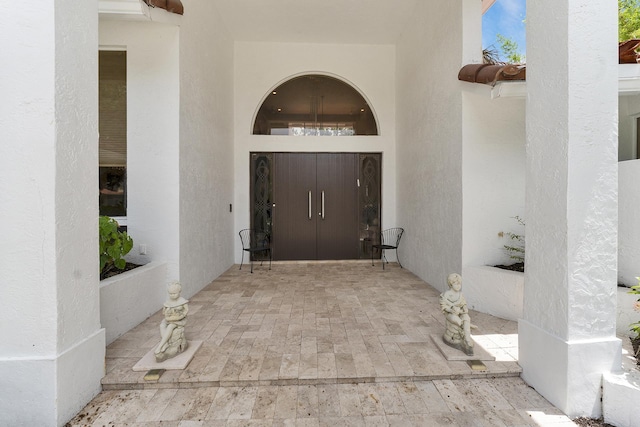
{"x": 253, "y": 242}
{"x": 389, "y": 239}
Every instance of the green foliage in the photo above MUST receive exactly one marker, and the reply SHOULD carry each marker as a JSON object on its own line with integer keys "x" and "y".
{"x": 515, "y": 247}
{"x": 510, "y": 50}
{"x": 635, "y": 327}
{"x": 114, "y": 245}
{"x": 628, "y": 19}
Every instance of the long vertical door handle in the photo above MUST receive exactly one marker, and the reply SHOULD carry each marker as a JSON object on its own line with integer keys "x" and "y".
{"x": 323, "y": 205}
{"x": 309, "y": 204}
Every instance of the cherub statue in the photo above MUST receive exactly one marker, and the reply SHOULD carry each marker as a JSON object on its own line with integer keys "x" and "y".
{"x": 458, "y": 323}
{"x": 175, "y": 311}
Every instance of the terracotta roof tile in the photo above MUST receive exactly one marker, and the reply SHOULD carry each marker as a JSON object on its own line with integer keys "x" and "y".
{"x": 173, "y": 6}
{"x": 490, "y": 74}
{"x": 627, "y": 51}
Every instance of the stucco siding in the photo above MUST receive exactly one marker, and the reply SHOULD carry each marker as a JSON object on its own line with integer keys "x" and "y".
{"x": 429, "y": 122}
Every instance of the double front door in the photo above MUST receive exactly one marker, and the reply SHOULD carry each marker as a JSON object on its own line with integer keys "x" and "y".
{"x": 317, "y": 206}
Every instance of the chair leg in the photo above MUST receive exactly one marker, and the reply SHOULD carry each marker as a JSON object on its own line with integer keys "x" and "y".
{"x": 241, "y": 261}
{"x": 398, "y": 258}
{"x": 383, "y": 258}
{"x": 251, "y": 259}
{"x": 371, "y": 257}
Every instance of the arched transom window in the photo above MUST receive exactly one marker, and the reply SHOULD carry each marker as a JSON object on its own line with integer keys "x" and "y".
{"x": 315, "y": 104}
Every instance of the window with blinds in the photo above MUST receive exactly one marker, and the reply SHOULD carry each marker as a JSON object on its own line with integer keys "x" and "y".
{"x": 112, "y": 125}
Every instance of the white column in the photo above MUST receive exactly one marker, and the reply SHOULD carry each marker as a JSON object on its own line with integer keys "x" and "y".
{"x": 567, "y": 336}
{"x": 52, "y": 351}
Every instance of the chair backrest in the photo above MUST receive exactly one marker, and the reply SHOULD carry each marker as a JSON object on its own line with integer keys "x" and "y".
{"x": 392, "y": 236}
{"x": 252, "y": 238}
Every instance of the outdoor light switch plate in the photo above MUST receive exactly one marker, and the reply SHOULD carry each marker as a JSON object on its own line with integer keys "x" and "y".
{"x": 153, "y": 374}
{"x": 477, "y": 365}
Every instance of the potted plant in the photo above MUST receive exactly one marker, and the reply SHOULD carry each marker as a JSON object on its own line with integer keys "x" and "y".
{"x": 114, "y": 245}
{"x": 514, "y": 248}
{"x": 635, "y": 327}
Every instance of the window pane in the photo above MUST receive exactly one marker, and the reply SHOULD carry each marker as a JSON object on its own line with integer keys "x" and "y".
{"x": 315, "y": 105}
{"x": 112, "y": 125}
{"x": 113, "y": 197}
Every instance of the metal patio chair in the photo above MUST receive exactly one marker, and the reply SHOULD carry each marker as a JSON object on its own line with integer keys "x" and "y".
{"x": 253, "y": 242}
{"x": 389, "y": 239}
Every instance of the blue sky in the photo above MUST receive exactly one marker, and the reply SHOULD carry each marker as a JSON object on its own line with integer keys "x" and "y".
{"x": 505, "y": 17}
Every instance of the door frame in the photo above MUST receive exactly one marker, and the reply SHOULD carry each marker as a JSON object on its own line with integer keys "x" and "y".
{"x": 369, "y": 200}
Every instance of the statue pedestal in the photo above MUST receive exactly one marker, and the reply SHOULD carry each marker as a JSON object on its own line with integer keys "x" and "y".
{"x": 451, "y": 353}
{"x": 180, "y": 361}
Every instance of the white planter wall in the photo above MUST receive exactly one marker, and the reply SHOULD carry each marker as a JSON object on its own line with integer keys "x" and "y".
{"x": 621, "y": 394}
{"x": 129, "y": 298}
{"x": 494, "y": 291}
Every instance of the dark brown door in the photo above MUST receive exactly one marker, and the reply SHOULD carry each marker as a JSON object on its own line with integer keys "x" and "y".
{"x": 337, "y": 183}
{"x": 316, "y": 206}
{"x": 294, "y": 213}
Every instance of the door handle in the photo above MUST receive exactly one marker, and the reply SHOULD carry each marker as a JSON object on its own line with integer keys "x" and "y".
{"x": 309, "y": 204}
{"x": 322, "y": 198}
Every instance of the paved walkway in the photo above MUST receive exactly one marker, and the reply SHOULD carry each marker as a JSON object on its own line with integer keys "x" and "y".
{"x": 336, "y": 343}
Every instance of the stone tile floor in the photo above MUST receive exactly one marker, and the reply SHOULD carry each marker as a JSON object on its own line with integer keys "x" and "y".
{"x": 323, "y": 343}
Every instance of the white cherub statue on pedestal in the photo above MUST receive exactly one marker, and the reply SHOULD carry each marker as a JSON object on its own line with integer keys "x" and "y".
{"x": 458, "y": 323}
{"x": 173, "y": 340}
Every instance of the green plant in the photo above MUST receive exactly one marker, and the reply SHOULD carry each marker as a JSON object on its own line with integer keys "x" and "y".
{"x": 635, "y": 327}
{"x": 628, "y": 19}
{"x": 114, "y": 245}
{"x": 515, "y": 247}
{"x": 510, "y": 50}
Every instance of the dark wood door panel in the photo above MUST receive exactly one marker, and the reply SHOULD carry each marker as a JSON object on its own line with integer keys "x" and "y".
{"x": 294, "y": 230}
{"x": 305, "y": 228}
{"x": 337, "y": 175}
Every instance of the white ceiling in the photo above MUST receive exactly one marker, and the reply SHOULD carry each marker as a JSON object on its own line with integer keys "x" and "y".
{"x": 316, "y": 21}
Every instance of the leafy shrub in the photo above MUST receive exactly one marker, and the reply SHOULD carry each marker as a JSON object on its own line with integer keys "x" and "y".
{"x": 515, "y": 247}
{"x": 114, "y": 245}
{"x": 635, "y": 327}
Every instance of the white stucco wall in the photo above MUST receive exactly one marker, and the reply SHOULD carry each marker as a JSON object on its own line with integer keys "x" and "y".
{"x": 493, "y": 170}
{"x": 52, "y": 356}
{"x": 206, "y": 147}
{"x": 152, "y": 136}
{"x": 260, "y": 67}
{"x": 429, "y": 123}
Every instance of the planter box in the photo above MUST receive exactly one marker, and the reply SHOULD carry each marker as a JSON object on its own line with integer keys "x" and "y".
{"x": 620, "y": 397}
{"x": 625, "y": 314}
{"x": 129, "y": 298}
{"x": 494, "y": 291}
